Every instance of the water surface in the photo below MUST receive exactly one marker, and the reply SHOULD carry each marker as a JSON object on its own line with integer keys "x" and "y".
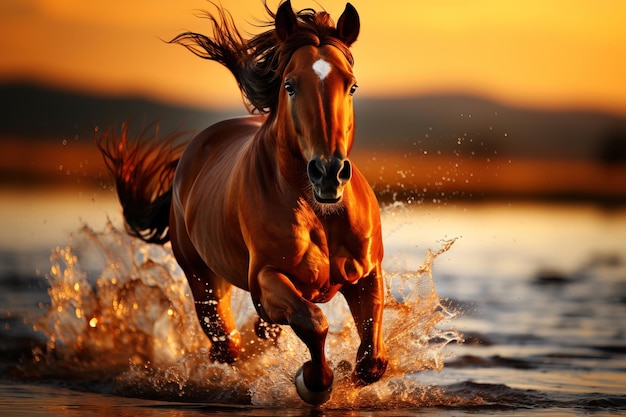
{"x": 492, "y": 309}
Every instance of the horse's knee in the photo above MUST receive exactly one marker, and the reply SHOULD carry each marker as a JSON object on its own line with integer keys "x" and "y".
{"x": 309, "y": 323}
{"x": 281, "y": 304}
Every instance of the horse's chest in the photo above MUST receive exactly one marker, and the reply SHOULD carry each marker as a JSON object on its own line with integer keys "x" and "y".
{"x": 326, "y": 265}
{"x": 318, "y": 255}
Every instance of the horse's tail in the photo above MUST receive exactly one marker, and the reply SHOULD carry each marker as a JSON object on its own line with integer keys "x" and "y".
{"x": 143, "y": 169}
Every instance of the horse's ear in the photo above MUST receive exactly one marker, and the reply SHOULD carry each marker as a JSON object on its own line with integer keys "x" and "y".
{"x": 348, "y": 25}
{"x": 286, "y": 21}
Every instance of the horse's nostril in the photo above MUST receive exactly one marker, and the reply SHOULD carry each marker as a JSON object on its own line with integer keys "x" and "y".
{"x": 316, "y": 171}
{"x": 346, "y": 171}
{"x": 335, "y": 171}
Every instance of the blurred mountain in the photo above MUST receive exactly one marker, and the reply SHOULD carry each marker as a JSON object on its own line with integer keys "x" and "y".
{"x": 446, "y": 125}
{"x": 36, "y": 112}
{"x": 471, "y": 126}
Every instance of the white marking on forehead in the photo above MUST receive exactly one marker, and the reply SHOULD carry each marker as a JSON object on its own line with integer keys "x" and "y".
{"x": 321, "y": 68}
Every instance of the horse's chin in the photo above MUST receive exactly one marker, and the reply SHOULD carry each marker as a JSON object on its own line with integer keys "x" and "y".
{"x": 327, "y": 206}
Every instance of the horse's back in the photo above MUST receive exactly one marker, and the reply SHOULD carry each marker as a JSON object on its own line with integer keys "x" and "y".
{"x": 216, "y": 142}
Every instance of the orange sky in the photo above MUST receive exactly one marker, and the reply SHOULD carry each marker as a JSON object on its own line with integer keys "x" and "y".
{"x": 556, "y": 53}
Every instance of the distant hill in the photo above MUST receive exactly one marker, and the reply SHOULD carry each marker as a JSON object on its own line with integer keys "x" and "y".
{"x": 473, "y": 126}
{"x": 39, "y": 112}
{"x": 461, "y": 125}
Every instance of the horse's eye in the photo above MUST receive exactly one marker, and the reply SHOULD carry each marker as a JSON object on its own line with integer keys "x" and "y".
{"x": 289, "y": 87}
{"x": 353, "y": 89}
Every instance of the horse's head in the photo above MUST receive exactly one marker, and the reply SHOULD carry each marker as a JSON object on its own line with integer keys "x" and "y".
{"x": 316, "y": 102}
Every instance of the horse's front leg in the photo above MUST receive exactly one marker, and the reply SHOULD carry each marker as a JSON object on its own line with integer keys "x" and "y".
{"x": 278, "y": 301}
{"x": 366, "y": 301}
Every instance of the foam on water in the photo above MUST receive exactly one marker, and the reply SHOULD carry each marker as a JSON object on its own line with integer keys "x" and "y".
{"x": 121, "y": 313}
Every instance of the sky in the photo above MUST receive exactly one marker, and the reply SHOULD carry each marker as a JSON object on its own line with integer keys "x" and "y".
{"x": 531, "y": 53}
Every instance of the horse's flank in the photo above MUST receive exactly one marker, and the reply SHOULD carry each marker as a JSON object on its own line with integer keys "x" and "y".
{"x": 206, "y": 185}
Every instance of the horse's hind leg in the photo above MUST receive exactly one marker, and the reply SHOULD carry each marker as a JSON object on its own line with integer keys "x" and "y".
{"x": 211, "y": 295}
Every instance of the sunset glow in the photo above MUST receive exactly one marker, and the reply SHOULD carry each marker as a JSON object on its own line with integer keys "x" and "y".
{"x": 530, "y": 53}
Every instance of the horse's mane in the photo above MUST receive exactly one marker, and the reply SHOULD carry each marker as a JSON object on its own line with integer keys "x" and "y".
{"x": 258, "y": 63}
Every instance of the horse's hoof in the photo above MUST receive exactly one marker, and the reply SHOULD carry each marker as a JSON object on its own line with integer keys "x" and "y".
{"x": 368, "y": 371}
{"x": 308, "y": 396}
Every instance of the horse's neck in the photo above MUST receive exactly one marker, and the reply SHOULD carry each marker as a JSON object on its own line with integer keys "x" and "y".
{"x": 280, "y": 151}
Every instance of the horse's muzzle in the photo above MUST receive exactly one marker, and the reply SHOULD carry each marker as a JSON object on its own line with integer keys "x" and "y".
{"x": 328, "y": 178}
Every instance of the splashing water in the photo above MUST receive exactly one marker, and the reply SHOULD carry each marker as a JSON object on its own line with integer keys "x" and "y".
{"x": 122, "y": 314}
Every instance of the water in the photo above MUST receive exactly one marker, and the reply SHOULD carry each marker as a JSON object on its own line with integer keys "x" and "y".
{"x": 492, "y": 309}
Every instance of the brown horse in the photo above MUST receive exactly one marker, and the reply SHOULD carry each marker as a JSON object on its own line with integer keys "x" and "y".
{"x": 270, "y": 203}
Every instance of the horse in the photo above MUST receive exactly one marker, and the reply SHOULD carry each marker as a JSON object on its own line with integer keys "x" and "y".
{"x": 269, "y": 202}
